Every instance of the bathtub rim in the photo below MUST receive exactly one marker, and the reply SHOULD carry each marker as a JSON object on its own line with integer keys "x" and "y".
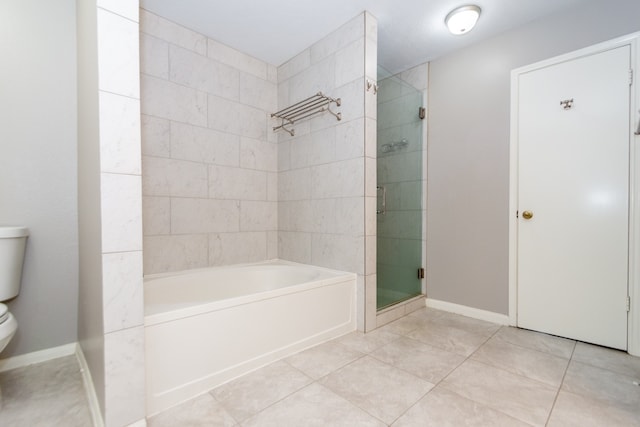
{"x": 337, "y": 276}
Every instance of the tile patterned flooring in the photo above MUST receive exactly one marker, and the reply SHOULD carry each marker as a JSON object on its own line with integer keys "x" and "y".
{"x": 430, "y": 368}
{"x": 45, "y": 394}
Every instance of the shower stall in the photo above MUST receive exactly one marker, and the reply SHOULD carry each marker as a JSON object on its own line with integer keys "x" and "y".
{"x": 400, "y": 190}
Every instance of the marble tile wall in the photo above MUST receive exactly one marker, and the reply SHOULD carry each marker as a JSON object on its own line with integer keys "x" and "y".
{"x": 220, "y": 187}
{"x": 209, "y": 157}
{"x": 121, "y": 213}
{"x": 367, "y": 296}
{"x": 325, "y": 176}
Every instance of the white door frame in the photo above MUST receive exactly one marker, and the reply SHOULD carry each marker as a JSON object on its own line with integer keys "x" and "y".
{"x": 632, "y": 40}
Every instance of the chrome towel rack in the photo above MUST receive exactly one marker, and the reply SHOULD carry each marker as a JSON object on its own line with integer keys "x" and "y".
{"x": 306, "y": 108}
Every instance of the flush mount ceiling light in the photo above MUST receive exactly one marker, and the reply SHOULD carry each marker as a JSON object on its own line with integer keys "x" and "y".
{"x": 462, "y": 19}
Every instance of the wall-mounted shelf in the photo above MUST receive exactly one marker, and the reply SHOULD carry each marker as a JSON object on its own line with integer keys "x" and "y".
{"x": 306, "y": 108}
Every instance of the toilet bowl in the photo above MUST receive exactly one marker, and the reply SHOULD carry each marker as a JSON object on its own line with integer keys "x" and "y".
{"x": 8, "y": 326}
{"x": 12, "y": 247}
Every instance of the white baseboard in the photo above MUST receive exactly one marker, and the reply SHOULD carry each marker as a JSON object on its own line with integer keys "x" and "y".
{"x": 476, "y": 313}
{"x": 37, "y": 357}
{"x": 92, "y": 397}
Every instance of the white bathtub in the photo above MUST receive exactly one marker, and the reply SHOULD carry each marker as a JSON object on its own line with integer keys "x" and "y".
{"x": 205, "y": 327}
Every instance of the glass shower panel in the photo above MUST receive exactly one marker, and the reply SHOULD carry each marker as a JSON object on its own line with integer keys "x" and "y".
{"x": 399, "y": 168}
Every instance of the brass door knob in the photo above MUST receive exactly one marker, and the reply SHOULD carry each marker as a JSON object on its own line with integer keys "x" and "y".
{"x": 527, "y": 214}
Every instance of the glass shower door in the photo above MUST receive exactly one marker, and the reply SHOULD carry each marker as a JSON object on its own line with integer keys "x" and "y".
{"x": 399, "y": 209}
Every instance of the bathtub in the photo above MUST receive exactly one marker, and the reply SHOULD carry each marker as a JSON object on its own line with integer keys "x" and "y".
{"x": 205, "y": 327}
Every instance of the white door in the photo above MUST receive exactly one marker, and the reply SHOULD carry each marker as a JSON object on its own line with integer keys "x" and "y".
{"x": 573, "y": 178}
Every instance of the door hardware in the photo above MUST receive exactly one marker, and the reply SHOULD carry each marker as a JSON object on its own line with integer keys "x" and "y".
{"x": 567, "y": 104}
{"x": 372, "y": 85}
{"x": 383, "y": 209}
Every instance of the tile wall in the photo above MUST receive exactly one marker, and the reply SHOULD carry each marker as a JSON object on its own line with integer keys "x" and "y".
{"x": 326, "y": 182}
{"x": 110, "y": 318}
{"x": 220, "y": 187}
{"x": 209, "y": 154}
{"x": 367, "y": 297}
{"x": 119, "y": 103}
{"x": 120, "y": 181}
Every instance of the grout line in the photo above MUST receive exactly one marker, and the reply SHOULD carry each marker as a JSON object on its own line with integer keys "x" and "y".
{"x": 120, "y": 15}
{"x": 345, "y": 397}
{"x": 435, "y": 385}
{"x": 284, "y": 397}
{"x": 535, "y": 349}
{"x": 513, "y": 373}
{"x": 414, "y": 404}
{"x": 526, "y": 349}
{"x": 110, "y": 92}
{"x": 313, "y": 381}
{"x": 555, "y": 400}
{"x": 205, "y": 92}
{"x": 466, "y": 360}
{"x": 469, "y": 358}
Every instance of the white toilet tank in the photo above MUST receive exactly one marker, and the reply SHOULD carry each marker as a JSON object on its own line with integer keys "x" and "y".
{"x": 12, "y": 245}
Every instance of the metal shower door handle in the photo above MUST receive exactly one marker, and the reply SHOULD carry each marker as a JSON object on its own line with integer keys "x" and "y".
{"x": 383, "y": 209}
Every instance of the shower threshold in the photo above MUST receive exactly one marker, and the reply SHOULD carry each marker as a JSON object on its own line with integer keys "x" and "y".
{"x": 387, "y": 298}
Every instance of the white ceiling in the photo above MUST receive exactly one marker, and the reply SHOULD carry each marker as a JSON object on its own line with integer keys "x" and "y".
{"x": 410, "y": 32}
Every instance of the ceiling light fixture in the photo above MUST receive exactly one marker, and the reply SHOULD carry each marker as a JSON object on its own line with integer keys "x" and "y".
{"x": 462, "y": 19}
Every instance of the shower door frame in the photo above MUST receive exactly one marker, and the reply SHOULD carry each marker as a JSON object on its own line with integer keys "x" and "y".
{"x": 398, "y": 310}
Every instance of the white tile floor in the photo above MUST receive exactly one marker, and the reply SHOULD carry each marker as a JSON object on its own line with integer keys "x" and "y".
{"x": 430, "y": 368}
{"x": 45, "y": 394}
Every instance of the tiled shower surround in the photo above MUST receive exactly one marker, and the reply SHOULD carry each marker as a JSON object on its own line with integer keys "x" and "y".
{"x": 326, "y": 179}
{"x": 220, "y": 187}
{"x": 110, "y": 309}
{"x": 209, "y": 160}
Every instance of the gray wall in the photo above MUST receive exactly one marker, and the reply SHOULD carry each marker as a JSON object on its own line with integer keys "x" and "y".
{"x": 468, "y": 165}
{"x": 38, "y": 165}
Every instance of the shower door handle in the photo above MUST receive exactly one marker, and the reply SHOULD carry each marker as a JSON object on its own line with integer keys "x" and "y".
{"x": 383, "y": 208}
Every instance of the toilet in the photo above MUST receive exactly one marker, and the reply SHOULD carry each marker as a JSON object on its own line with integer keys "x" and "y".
{"x": 12, "y": 246}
